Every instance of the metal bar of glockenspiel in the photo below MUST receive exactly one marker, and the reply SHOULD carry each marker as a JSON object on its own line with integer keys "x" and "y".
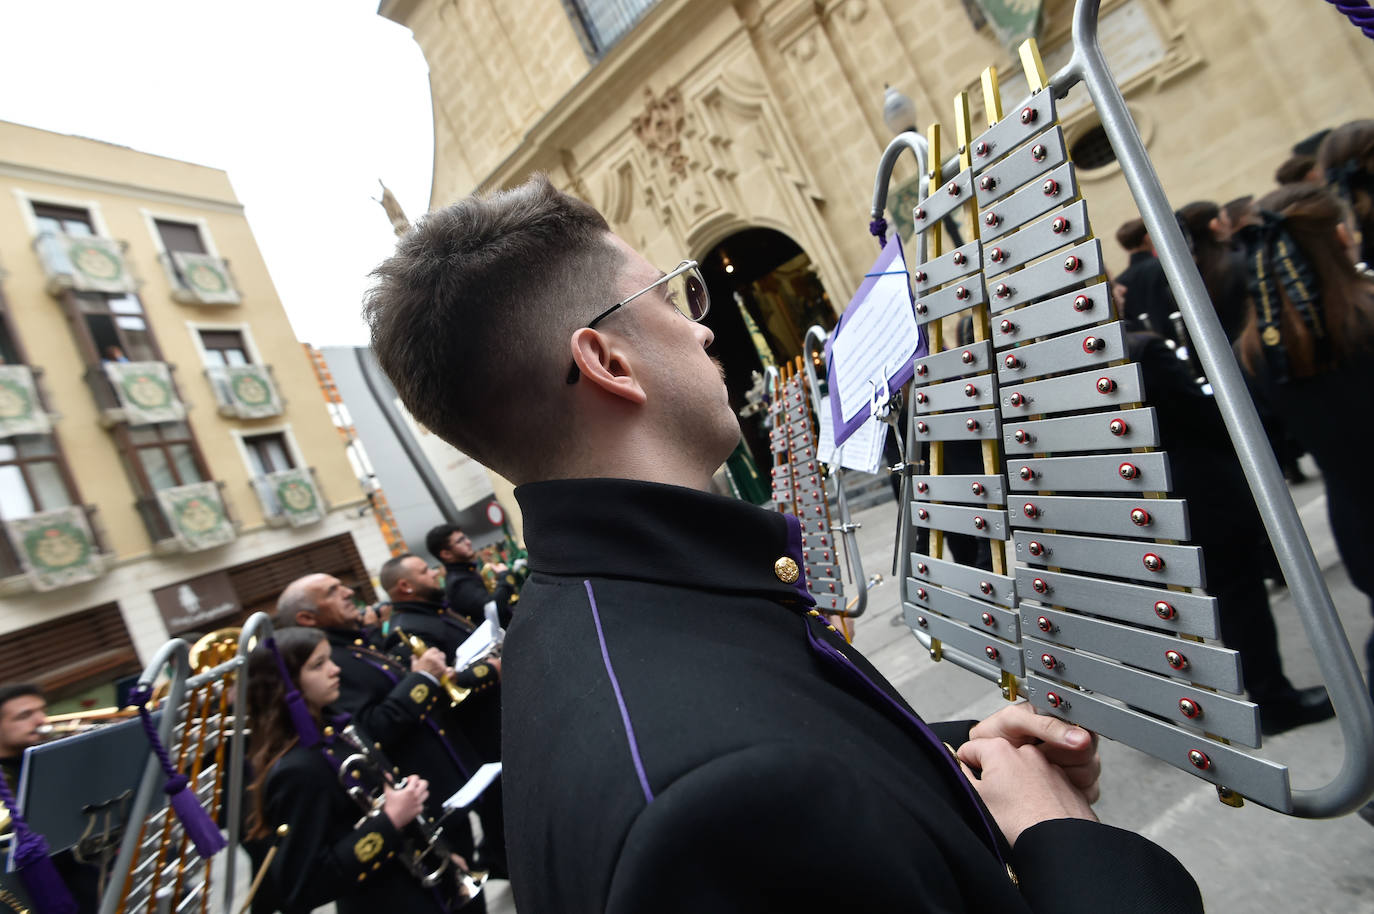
{"x": 1354, "y": 783}
{"x": 257, "y": 628}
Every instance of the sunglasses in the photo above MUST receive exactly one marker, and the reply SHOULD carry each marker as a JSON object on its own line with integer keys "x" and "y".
{"x": 685, "y": 291}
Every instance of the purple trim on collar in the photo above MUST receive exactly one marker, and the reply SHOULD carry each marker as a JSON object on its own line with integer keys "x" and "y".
{"x": 836, "y": 656}
{"x": 619, "y": 698}
{"x": 794, "y": 549}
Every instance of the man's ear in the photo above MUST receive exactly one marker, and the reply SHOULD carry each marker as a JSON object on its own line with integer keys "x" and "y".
{"x": 606, "y": 362}
{"x": 305, "y": 618}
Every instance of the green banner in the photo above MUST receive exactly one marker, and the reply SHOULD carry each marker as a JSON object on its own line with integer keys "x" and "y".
{"x": 1013, "y": 21}
{"x": 145, "y": 392}
{"x": 297, "y": 496}
{"x": 21, "y": 412}
{"x": 250, "y": 391}
{"x": 197, "y": 516}
{"x": 97, "y": 264}
{"x": 56, "y": 548}
{"x": 206, "y": 278}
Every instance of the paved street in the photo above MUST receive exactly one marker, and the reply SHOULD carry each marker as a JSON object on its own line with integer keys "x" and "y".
{"x": 1248, "y": 859}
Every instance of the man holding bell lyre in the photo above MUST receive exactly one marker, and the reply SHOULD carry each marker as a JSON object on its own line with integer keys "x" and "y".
{"x": 682, "y": 732}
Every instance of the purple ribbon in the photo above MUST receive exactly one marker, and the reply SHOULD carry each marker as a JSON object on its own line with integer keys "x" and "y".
{"x": 200, "y": 828}
{"x": 878, "y": 229}
{"x": 301, "y": 718}
{"x": 1358, "y": 12}
{"x": 32, "y": 858}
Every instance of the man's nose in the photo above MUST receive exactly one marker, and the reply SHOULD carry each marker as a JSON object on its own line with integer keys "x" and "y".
{"x": 706, "y": 331}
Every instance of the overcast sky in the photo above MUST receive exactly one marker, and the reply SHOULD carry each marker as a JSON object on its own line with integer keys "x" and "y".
{"x": 305, "y": 103}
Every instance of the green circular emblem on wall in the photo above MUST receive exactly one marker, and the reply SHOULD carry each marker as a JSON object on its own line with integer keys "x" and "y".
{"x": 198, "y": 515}
{"x": 146, "y": 391}
{"x": 15, "y": 402}
{"x": 205, "y": 278}
{"x": 250, "y": 390}
{"x": 296, "y": 497}
{"x": 95, "y": 261}
{"x": 57, "y": 546}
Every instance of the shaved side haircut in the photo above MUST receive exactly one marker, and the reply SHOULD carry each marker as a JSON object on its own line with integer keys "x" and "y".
{"x": 393, "y": 571}
{"x": 471, "y": 317}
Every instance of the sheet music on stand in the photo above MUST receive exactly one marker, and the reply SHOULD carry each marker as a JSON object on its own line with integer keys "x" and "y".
{"x": 872, "y": 347}
{"x": 863, "y": 451}
{"x": 470, "y": 792}
{"x": 486, "y": 638}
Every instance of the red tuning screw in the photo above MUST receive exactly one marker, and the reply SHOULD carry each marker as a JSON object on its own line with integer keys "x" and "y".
{"x": 953, "y": 188}
{"x": 1023, "y": 437}
{"x": 977, "y": 488}
{"x": 920, "y": 214}
{"x": 1153, "y": 562}
{"x": 1039, "y": 586}
{"x": 922, "y": 427}
{"x": 1016, "y": 399}
{"x": 1056, "y": 700}
{"x": 1028, "y": 115}
{"x": 1002, "y": 290}
{"x": 988, "y": 619}
{"x": 979, "y": 523}
{"x": 985, "y": 587}
{"x": 1006, "y": 326}
{"x": 921, "y": 593}
{"x": 959, "y": 258}
{"x": 961, "y": 293}
{"x": 1175, "y": 660}
{"x": 1128, "y": 471}
{"x": 1189, "y": 708}
{"x": 1118, "y": 427}
{"x": 967, "y": 356}
{"x": 1030, "y": 510}
{"x": 921, "y": 568}
{"x": 922, "y": 370}
{"x": 1059, "y": 226}
{"x": 922, "y": 621}
{"x": 971, "y": 425}
{"x": 1140, "y": 517}
{"x": 1036, "y": 549}
{"x": 1050, "y": 187}
{"x": 1072, "y": 264}
{"x": 920, "y": 276}
{"x": 970, "y": 390}
{"x": 1044, "y": 624}
{"x": 992, "y": 653}
{"x": 997, "y": 255}
{"x": 1165, "y": 611}
{"x": 981, "y": 149}
{"x": 1026, "y": 474}
{"x": 1093, "y": 344}
{"x": 1199, "y": 760}
{"x": 922, "y": 487}
{"x": 1038, "y": 152}
{"x": 1104, "y": 385}
{"x": 1012, "y": 361}
{"x": 991, "y": 219}
{"x": 987, "y": 182}
{"x": 1082, "y": 303}
{"x": 923, "y": 514}
{"x": 921, "y": 397}
{"x": 1048, "y": 661}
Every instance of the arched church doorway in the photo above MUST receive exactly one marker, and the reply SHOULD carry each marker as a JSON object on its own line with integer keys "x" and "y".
{"x": 765, "y": 293}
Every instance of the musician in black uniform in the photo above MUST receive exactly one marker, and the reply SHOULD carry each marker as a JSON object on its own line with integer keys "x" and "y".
{"x": 418, "y": 611}
{"x": 682, "y": 733}
{"x": 324, "y": 854}
{"x": 406, "y": 710}
{"x": 464, "y": 590}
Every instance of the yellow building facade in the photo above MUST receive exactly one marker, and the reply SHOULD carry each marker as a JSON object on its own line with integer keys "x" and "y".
{"x": 167, "y": 463}
{"x": 746, "y": 133}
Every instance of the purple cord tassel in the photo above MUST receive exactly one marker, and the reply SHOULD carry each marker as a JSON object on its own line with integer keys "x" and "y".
{"x": 200, "y": 828}
{"x": 32, "y": 859}
{"x": 1359, "y": 13}
{"x": 301, "y": 718}
{"x": 878, "y": 229}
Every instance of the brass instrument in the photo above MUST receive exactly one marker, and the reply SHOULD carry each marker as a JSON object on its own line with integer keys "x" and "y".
{"x": 456, "y": 693}
{"x": 218, "y": 647}
{"x": 427, "y": 855}
{"x": 60, "y": 725}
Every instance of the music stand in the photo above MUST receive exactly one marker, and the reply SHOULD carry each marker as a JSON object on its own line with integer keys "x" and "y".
{"x": 83, "y": 785}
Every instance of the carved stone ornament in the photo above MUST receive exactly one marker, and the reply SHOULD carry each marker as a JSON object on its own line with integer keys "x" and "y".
{"x": 660, "y": 129}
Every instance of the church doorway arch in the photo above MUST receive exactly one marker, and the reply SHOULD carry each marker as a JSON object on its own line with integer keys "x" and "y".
{"x": 765, "y": 293}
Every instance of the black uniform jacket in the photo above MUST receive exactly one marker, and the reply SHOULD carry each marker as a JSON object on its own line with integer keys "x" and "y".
{"x": 479, "y": 715}
{"x": 324, "y": 855}
{"x": 466, "y": 593}
{"x": 408, "y": 713}
{"x": 683, "y": 736}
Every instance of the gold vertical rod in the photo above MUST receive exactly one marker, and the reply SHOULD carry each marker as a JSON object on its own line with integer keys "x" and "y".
{"x": 992, "y": 99}
{"x": 982, "y": 321}
{"x": 934, "y": 248}
{"x": 1033, "y": 65}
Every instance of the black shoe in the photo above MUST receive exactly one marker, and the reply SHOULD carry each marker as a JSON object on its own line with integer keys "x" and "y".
{"x": 1366, "y": 812}
{"x": 1295, "y": 708}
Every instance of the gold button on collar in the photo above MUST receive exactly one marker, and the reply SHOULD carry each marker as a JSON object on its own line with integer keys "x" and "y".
{"x": 786, "y": 570}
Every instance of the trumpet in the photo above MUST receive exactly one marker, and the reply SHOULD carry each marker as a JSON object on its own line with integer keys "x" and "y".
{"x": 456, "y": 693}
{"x": 427, "y": 854}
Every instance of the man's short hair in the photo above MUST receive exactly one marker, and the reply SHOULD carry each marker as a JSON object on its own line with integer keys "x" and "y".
{"x": 9, "y": 693}
{"x": 296, "y": 598}
{"x": 1132, "y": 234}
{"x": 393, "y": 570}
{"x": 476, "y": 307}
{"x": 436, "y": 540}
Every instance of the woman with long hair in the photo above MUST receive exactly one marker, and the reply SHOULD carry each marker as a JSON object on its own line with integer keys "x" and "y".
{"x": 1346, "y": 160}
{"x": 1209, "y": 231}
{"x": 1307, "y": 339}
{"x": 330, "y": 850}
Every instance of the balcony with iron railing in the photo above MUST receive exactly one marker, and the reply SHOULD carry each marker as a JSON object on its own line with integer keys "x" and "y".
{"x": 52, "y": 549}
{"x": 138, "y": 393}
{"x": 188, "y": 518}
{"x": 84, "y": 263}
{"x": 245, "y": 391}
{"x": 200, "y": 279}
{"x": 292, "y": 498}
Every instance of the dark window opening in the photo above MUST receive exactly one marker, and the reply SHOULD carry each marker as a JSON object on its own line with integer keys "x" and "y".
{"x": 180, "y": 236}
{"x": 601, "y": 23}
{"x": 1093, "y": 149}
{"x": 69, "y": 220}
{"x": 224, "y": 347}
{"x": 268, "y": 453}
